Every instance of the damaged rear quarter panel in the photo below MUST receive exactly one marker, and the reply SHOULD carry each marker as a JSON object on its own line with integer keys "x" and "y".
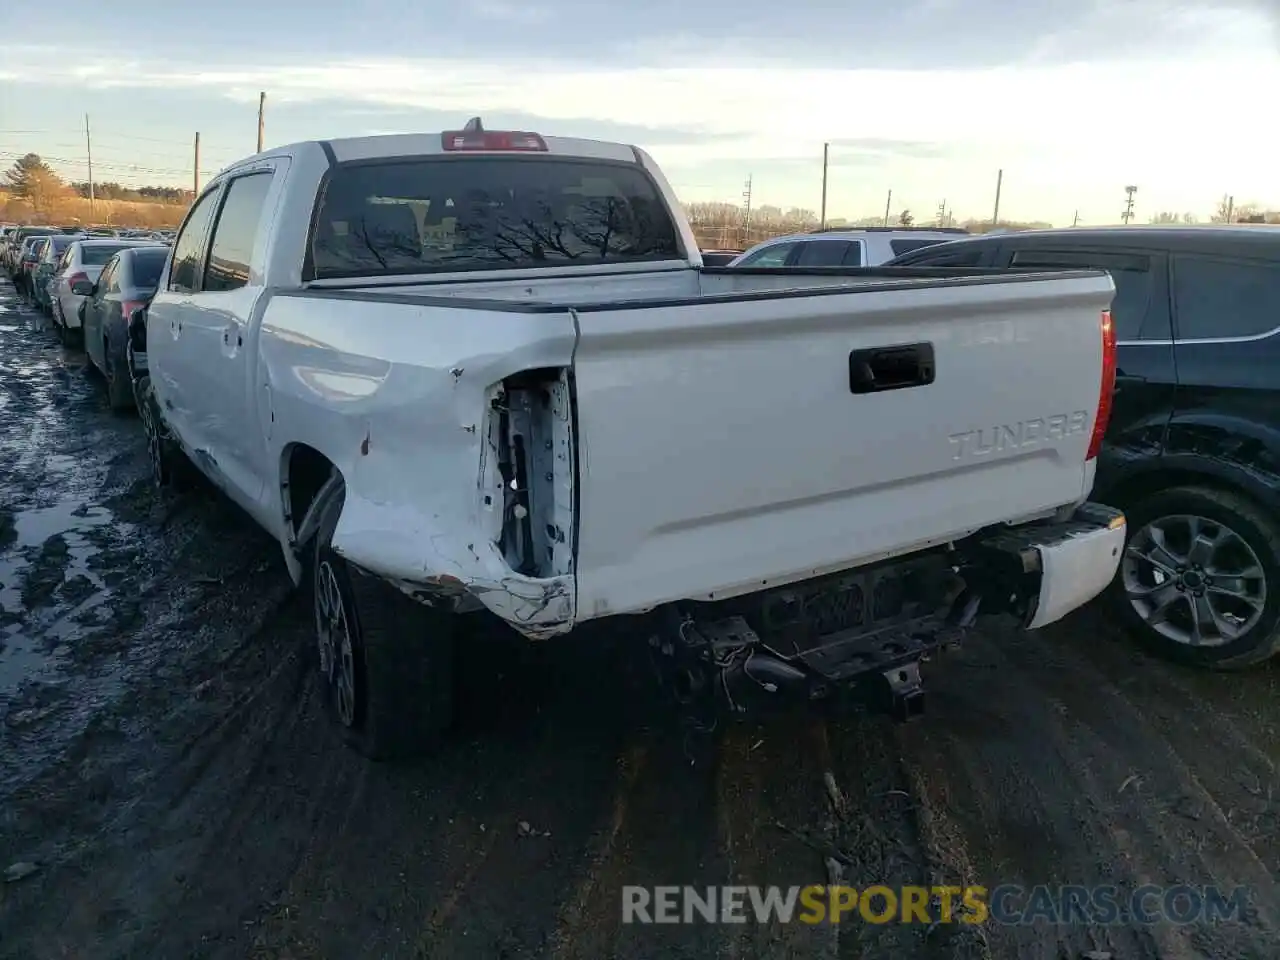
{"x": 395, "y": 395}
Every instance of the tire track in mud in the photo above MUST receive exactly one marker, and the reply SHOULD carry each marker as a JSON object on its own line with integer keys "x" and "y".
{"x": 468, "y": 852}
{"x": 1040, "y": 784}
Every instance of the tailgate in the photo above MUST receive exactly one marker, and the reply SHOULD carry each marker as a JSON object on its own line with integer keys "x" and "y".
{"x": 736, "y": 442}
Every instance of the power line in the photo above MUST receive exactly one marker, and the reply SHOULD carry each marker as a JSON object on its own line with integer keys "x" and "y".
{"x": 113, "y": 136}
{"x": 79, "y": 162}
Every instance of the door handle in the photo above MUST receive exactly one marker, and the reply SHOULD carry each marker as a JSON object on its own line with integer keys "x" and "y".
{"x": 898, "y": 367}
{"x": 231, "y": 336}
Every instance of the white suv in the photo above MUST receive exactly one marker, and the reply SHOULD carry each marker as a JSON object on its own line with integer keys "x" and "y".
{"x": 839, "y": 247}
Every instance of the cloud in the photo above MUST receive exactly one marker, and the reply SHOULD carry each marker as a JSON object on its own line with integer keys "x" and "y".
{"x": 1070, "y": 99}
{"x": 507, "y": 12}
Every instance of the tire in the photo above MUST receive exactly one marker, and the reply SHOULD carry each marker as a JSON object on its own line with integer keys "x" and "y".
{"x": 119, "y": 385}
{"x": 169, "y": 465}
{"x": 391, "y": 694}
{"x": 1254, "y": 634}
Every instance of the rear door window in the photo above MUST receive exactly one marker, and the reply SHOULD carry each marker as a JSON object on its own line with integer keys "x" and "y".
{"x": 822, "y": 253}
{"x": 106, "y": 280}
{"x": 907, "y": 244}
{"x": 964, "y": 255}
{"x": 235, "y": 235}
{"x": 1139, "y": 308}
{"x": 1217, "y": 298}
{"x": 774, "y": 255}
{"x": 462, "y": 213}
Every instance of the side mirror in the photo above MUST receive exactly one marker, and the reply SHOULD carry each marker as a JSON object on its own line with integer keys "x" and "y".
{"x": 82, "y": 288}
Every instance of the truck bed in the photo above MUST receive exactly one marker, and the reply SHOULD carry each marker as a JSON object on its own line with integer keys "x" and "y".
{"x": 709, "y": 433}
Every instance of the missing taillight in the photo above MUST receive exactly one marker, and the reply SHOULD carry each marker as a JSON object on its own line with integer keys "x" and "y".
{"x": 532, "y": 436}
{"x": 1107, "y": 388}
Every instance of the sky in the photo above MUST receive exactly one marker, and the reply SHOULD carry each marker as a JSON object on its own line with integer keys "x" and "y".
{"x": 1072, "y": 99}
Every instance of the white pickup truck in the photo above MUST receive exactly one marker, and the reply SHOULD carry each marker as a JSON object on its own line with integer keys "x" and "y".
{"x": 487, "y": 372}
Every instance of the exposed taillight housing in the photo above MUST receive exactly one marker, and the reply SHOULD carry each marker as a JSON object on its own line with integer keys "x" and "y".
{"x": 1107, "y": 389}
{"x": 128, "y": 306}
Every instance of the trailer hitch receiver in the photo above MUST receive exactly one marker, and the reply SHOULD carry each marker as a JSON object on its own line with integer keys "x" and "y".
{"x": 904, "y": 690}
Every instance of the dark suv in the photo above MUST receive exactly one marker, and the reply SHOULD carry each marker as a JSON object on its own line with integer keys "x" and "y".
{"x": 1192, "y": 452}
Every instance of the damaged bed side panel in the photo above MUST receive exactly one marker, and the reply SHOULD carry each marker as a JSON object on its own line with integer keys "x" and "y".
{"x": 402, "y": 400}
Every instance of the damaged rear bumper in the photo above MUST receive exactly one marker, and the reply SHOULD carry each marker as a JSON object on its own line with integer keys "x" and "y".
{"x": 1063, "y": 564}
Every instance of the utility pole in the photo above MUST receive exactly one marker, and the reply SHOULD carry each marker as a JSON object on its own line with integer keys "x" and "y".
{"x": 88, "y": 152}
{"x": 995, "y": 215}
{"x": 746, "y": 212}
{"x": 195, "y": 180}
{"x": 1128, "y": 206}
{"x": 262, "y": 105}
{"x": 826, "y": 147}
{"x": 1075, "y": 221}
{"x": 942, "y": 214}
{"x": 1231, "y": 206}
{"x": 887, "y": 201}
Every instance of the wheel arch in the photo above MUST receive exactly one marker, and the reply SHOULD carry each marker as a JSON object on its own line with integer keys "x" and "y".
{"x": 1170, "y": 472}
{"x": 311, "y": 485}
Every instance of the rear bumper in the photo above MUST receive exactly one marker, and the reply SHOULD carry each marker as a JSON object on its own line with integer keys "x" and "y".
{"x": 1079, "y": 563}
{"x": 1058, "y": 565}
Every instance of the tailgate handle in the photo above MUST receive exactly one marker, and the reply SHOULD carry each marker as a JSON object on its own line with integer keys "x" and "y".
{"x": 877, "y": 369}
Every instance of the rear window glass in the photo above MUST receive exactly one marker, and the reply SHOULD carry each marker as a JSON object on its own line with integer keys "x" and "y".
{"x": 147, "y": 267}
{"x": 98, "y": 254}
{"x": 487, "y": 213}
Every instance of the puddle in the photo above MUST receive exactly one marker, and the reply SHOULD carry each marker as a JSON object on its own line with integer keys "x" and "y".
{"x": 23, "y": 658}
{"x": 25, "y": 655}
{"x": 60, "y": 463}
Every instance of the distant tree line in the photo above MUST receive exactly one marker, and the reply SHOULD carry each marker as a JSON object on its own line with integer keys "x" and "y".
{"x": 31, "y": 192}
{"x": 114, "y": 191}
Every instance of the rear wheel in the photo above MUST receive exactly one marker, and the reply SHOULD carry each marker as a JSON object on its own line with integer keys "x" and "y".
{"x": 116, "y": 373}
{"x": 1200, "y": 578}
{"x": 169, "y": 465}
{"x": 387, "y": 660}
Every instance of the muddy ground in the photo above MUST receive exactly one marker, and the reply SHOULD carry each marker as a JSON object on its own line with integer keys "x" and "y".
{"x": 170, "y": 789}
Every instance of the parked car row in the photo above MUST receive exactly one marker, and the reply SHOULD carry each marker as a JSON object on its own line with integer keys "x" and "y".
{"x": 89, "y": 287}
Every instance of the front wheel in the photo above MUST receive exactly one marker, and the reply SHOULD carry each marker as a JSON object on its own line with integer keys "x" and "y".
{"x": 387, "y": 660}
{"x": 1199, "y": 582}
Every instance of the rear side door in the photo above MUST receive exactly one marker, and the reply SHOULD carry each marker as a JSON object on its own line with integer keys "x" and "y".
{"x": 1146, "y": 372}
{"x": 217, "y": 330}
{"x": 1227, "y": 323}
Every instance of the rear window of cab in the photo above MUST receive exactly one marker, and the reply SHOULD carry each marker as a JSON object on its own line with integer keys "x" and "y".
{"x": 446, "y": 214}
